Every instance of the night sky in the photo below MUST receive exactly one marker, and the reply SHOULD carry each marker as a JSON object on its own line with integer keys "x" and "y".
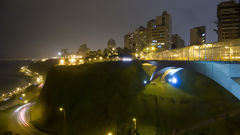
{"x": 40, "y": 28}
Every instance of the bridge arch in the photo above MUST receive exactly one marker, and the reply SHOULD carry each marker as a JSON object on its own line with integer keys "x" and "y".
{"x": 227, "y": 74}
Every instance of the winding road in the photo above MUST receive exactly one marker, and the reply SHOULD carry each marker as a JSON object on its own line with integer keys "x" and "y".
{"x": 19, "y": 121}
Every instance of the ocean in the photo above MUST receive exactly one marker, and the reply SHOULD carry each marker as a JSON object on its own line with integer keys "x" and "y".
{"x": 10, "y": 78}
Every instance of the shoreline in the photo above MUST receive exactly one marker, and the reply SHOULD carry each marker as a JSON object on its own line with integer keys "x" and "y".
{"x": 10, "y": 77}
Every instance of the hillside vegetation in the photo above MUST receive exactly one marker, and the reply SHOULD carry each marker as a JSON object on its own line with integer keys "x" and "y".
{"x": 96, "y": 97}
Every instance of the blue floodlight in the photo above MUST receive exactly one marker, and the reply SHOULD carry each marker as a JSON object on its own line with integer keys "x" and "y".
{"x": 174, "y": 80}
{"x": 145, "y": 82}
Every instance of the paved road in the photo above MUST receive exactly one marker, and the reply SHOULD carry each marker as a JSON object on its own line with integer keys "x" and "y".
{"x": 9, "y": 105}
{"x": 19, "y": 122}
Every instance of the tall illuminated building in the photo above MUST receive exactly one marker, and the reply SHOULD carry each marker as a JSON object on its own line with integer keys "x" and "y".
{"x": 177, "y": 42}
{"x": 136, "y": 40}
{"x": 129, "y": 41}
{"x": 83, "y": 50}
{"x": 228, "y": 14}
{"x": 140, "y": 36}
{"x": 198, "y": 35}
{"x": 159, "y": 32}
{"x": 111, "y": 44}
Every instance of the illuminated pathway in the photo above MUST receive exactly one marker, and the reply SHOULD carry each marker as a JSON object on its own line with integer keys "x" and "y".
{"x": 19, "y": 122}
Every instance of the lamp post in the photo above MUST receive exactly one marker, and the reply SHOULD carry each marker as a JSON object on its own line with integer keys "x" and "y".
{"x": 135, "y": 126}
{"x": 61, "y": 109}
{"x": 135, "y": 123}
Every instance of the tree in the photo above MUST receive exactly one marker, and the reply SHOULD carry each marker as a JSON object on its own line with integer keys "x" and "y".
{"x": 119, "y": 50}
{"x": 99, "y": 53}
{"x": 127, "y": 51}
{"x": 106, "y": 53}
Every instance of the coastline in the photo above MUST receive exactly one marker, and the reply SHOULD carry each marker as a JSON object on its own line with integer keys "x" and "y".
{"x": 10, "y": 77}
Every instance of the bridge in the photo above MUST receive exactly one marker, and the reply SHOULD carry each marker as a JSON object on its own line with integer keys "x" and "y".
{"x": 219, "y": 61}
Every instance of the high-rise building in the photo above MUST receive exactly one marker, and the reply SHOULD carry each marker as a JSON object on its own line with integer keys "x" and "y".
{"x": 157, "y": 34}
{"x": 83, "y": 50}
{"x": 136, "y": 40}
{"x": 177, "y": 42}
{"x": 198, "y": 35}
{"x": 128, "y": 41}
{"x": 111, "y": 44}
{"x": 159, "y": 31}
{"x": 140, "y": 36}
{"x": 228, "y": 20}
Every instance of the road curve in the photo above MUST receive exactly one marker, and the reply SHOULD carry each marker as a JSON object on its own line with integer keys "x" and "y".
{"x": 19, "y": 122}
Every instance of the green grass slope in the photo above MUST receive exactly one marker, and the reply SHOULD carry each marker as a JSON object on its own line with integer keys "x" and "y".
{"x": 186, "y": 108}
{"x": 96, "y": 97}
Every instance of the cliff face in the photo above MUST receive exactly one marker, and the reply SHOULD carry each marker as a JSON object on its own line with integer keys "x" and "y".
{"x": 95, "y": 97}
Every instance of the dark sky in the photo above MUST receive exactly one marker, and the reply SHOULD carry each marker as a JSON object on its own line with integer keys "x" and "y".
{"x": 40, "y": 28}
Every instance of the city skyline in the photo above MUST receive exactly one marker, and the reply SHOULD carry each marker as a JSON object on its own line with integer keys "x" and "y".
{"x": 42, "y": 28}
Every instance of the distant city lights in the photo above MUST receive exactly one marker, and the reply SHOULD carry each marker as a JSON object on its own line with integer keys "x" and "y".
{"x": 62, "y": 61}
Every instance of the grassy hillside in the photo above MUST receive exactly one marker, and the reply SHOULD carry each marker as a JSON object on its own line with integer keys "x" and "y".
{"x": 196, "y": 102}
{"x": 96, "y": 97}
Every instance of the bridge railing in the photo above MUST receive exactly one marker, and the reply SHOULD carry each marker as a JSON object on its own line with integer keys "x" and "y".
{"x": 220, "y": 51}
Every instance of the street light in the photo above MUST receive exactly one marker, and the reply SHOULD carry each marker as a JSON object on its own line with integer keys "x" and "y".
{"x": 61, "y": 109}
{"x": 135, "y": 123}
{"x": 73, "y": 60}
{"x": 62, "y": 61}
{"x": 109, "y": 133}
{"x": 136, "y": 55}
{"x": 38, "y": 80}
